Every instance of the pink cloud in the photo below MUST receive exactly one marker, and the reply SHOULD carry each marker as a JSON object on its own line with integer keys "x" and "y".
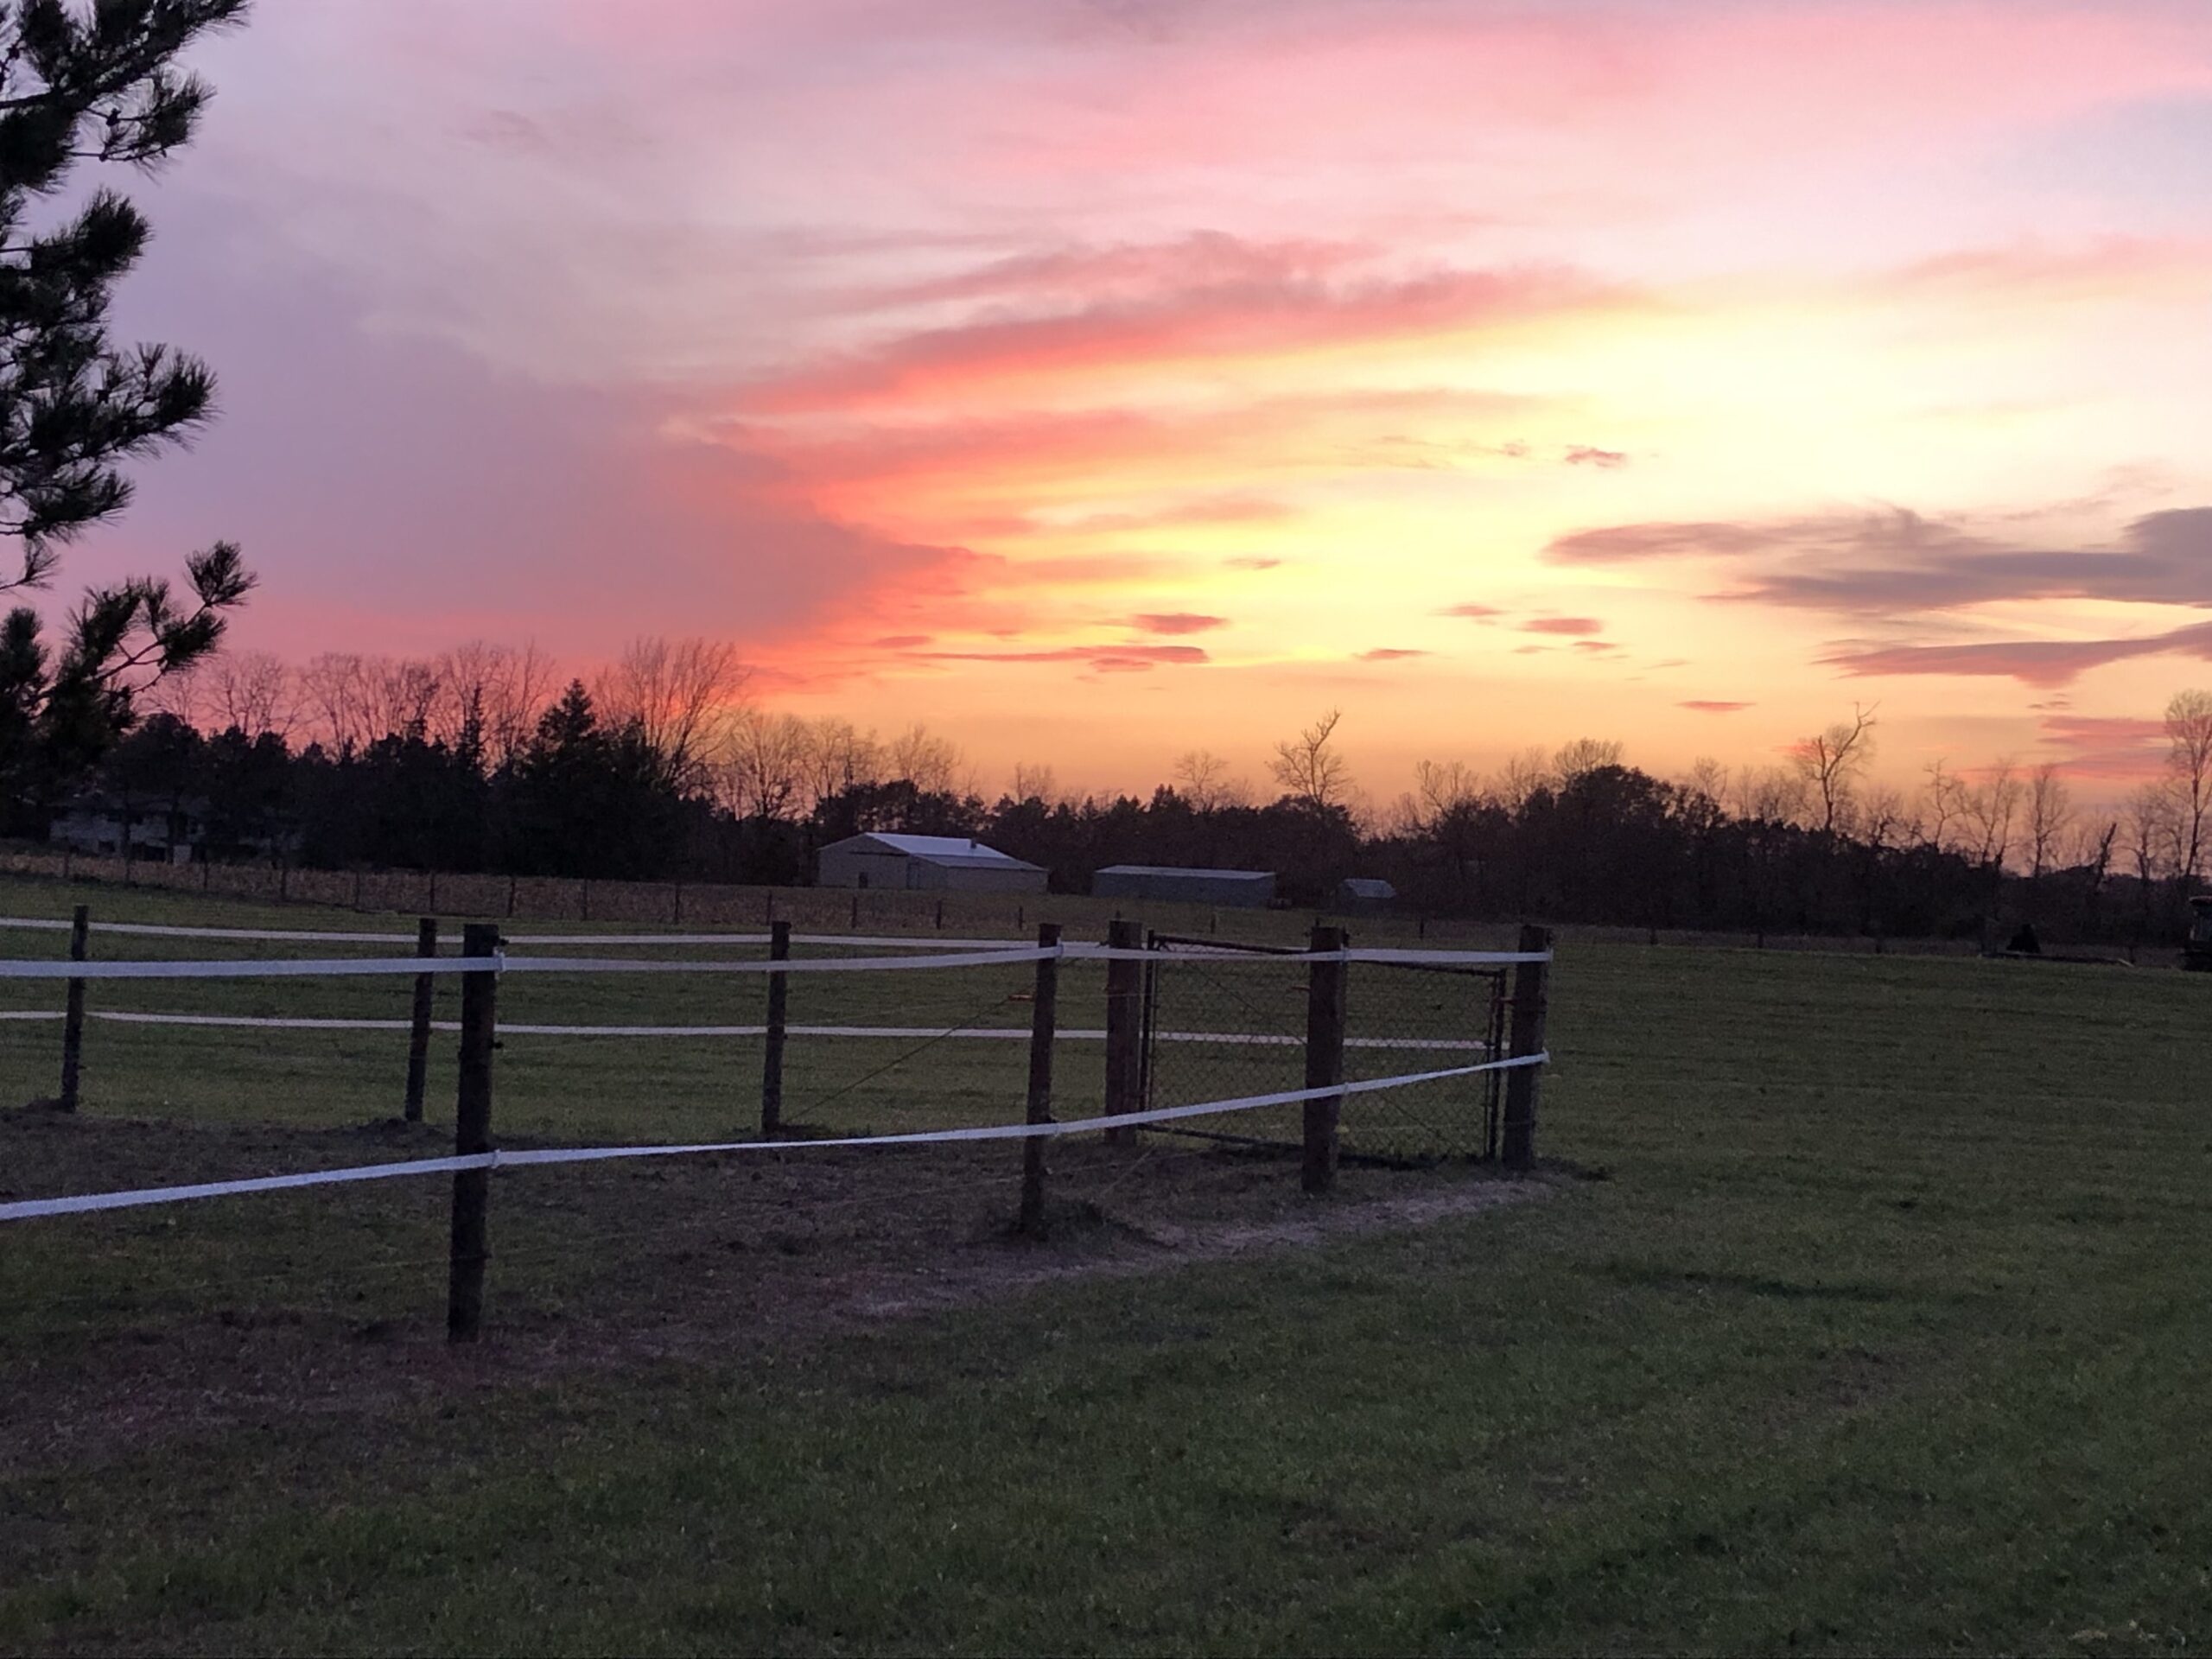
{"x": 1568, "y": 625}
{"x": 1216, "y": 325}
{"x": 1583, "y": 455}
{"x": 1212, "y": 510}
{"x": 2041, "y": 663}
{"x": 1390, "y": 654}
{"x": 2118, "y": 749}
{"x": 1176, "y": 622}
{"x": 1204, "y": 259}
{"x": 1473, "y": 609}
{"x": 1105, "y": 659}
{"x": 1710, "y": 706}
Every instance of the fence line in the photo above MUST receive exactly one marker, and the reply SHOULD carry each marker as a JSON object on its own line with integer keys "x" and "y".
{"x": 557, "y": 898}
{"x": 1099, "y": 1033}
{"x": 32, "y": 1209}
{"x": 483, "y": 964}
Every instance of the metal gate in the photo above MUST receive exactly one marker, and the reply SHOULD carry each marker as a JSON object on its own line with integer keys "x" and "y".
{"x": 1222, "y": 1019}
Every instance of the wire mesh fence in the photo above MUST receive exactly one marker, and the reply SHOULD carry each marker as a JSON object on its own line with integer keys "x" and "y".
{"x": 1223, "y": 1019}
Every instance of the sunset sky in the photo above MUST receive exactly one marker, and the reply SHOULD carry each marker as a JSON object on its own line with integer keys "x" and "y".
{"x": 1099, "y": 379}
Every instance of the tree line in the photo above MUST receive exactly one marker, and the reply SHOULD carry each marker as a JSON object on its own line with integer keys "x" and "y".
{"x": 661, "y": 767}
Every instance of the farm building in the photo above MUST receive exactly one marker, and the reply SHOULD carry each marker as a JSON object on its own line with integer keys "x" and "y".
{"x": 1364, "y": 895}
{"x": 107, "y": 824}
{"x": 1255, "y": 888}
{"x": 925, "y": 863}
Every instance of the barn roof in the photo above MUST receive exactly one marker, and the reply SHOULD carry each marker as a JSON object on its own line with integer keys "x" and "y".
{"x": 950, "y": 851}
{"x": 1185, "y": 869}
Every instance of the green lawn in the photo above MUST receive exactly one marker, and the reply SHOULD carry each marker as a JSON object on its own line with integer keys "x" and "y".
{"x": 1886, "y": 1330}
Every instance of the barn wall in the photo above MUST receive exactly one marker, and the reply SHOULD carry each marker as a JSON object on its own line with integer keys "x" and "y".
{"x": 843, "y": 867}
{"x": 1195, "y": 887}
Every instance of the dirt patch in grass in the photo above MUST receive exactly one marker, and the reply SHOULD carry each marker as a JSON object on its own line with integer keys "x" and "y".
{"x": 134, "y": 1327}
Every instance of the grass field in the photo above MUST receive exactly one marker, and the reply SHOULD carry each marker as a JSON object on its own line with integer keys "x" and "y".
{"x": 1885, "y": 1330}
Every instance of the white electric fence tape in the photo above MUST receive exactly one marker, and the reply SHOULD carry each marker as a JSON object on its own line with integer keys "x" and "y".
{"x": 362, "y": 967}
{"x": 30, "y": 1209}
{"x": 1009, "y": 1033}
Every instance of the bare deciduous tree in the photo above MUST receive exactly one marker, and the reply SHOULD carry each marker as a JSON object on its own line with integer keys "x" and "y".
{"x": 1442, "y": 789}
{"x": 1768, "y": 794}
{"x": 492, "y": 694}
{"x": 1989, "y": 808}
{"x": 763, "y": 765}
{"x": 334, "y": 698}
{"x": 2188, "y": 764}
{"x": 403, "y": 695}
{"x": 1831, "y": 762}
{"x": 839, "y": 756}
{"x": 1202, "y": 778}
{"x": 1579, "y": 757}
{"x": 252, "y": 691}
{"x": 1034, "y": 780}
{"x": 1309, "y": 768}
{"x": 2145, "y": 814}
{"x": 1522, "y": 776}
{"x": 674, "y": 692}
{"x": 919, "y": 756}
{"x": 2050, "y": 811}
{"x": 1944, "y": 804}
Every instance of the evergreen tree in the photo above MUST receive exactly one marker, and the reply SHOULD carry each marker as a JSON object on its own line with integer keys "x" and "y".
{"x": 94, "y": 85}
{"x": 586, "y": 801}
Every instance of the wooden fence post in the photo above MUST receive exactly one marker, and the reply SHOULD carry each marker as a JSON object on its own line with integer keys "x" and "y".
{"x": 1044, "y": 1018}
{"x": 856, "y": 910}
{"x": 1531, "y": 987}
{"x": 1124, "y": 1029}
{"x": 72, "y": 1023}
{"x": 676, "y": 919}
{"x": 1325, "y": 1058}
{"x": 419, "y": 1034}
{"x": 772, "y": 1051}
{"x": 472, "y": 1134}
{"x": 510, "y": 898}
{"x": 584, "y": 902}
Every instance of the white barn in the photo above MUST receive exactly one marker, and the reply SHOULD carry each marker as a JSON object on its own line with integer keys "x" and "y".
{"x": 925, "y": 864}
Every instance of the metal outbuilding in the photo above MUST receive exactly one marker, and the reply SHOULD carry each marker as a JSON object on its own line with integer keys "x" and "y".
{"x": 925, "y": 864}
{"x": 1254, "y": 888}
{"x": 1364, "y": 895}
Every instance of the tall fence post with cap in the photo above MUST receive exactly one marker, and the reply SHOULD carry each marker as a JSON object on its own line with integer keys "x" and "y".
{"x": 1044, "y": 1019}
{"x": 1531, "y": 987}
{"x": 1325, "y": 1056}
{"x": 418, "y": 1031}
{"x": 1124, "y": 1028}
{"x": 72, "y": 1020}
{"x": 772, "y": 1050}
{"x": 472, "y": 1134}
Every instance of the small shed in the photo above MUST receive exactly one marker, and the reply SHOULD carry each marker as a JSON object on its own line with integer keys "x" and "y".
{"x": 925, "y": 864}
{"x": 1364, "y": 895}
{"x": 1253, "y": 888}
